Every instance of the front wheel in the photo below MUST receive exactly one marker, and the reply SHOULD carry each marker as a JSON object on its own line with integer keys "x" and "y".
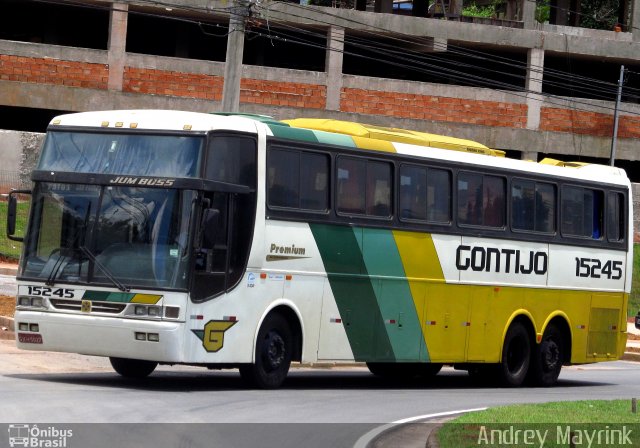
{"x": 133, "y": 368}
{"x": 274, "y": 349}
{"x": 516, "y": 355}
{"x": 546, "y": 361}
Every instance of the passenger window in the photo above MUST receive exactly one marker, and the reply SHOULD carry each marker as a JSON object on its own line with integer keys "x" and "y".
{"x": 616, "y": 217}
{"x": 533, "y": 206}
{"x": 425, "y": 194}
{"x": 297, "y": 179}
{"x": 582, "y": 212}
{"x": 481, "y": 200}
{"x": 363, "y": 187}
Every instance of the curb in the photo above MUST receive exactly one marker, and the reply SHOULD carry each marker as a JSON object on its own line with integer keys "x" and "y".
{"x": 9, "y": 271}
{"x": 631, "y": 356}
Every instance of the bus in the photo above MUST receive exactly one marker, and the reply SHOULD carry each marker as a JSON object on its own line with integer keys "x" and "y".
{"x": 238, "y": 241}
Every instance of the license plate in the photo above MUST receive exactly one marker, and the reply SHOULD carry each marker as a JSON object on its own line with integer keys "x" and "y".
{"x": 28, "y": 338}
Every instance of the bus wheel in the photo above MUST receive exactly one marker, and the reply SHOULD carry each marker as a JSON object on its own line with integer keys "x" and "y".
{"x": 133, "y": 368}
{"x": 274, "y": 349}
{"x": 546, "y": 361}
{"x": 516, "y": 354}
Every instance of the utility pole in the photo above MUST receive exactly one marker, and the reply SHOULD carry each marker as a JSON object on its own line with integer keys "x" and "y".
{"x": 235, "y": 50}
{"x": 615, "y": 118}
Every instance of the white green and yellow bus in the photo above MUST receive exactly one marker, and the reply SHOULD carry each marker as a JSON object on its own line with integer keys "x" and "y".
{"x": 229, "y": 241}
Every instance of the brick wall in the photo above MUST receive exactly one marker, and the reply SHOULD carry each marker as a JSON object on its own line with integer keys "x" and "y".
{"x": 162, "y": 82}
{"x": 427, "y": 107}
{"x": 273, "y": 93}
{"x": 53, "y": 71}
{"x": 590, "y": 123}
{"x": 288, "y": 94}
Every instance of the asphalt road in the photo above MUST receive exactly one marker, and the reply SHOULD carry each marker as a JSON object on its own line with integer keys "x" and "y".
{"x": 320, "y": 407}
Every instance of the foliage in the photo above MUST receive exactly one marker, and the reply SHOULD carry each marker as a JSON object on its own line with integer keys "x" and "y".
{"x": 543, "y": 11}
{"x": 11, "y": 249}
{"x": 599, "y": 14}
{"x": 634, "y": 297}
{"x": 473, "y": 10}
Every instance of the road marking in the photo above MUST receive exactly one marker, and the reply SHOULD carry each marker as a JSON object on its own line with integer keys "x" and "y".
{"x": 366, "y": 439}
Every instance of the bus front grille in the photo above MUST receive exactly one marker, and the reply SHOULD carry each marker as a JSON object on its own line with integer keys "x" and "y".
{"x": 96, "y": 307}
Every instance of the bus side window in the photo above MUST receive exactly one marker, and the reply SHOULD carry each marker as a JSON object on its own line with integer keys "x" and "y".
{"x": 615, "y": 217}
{"x": 232, "y": 159}
{"x": 582, "y": 212}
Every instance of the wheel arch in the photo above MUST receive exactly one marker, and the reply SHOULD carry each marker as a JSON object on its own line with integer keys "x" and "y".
{"x": 525, "y": 318}
{"x": 562, "y": 322}
{"x": 292, "y": 315}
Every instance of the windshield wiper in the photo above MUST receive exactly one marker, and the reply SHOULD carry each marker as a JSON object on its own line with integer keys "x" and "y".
{"x": 104, "y": 269}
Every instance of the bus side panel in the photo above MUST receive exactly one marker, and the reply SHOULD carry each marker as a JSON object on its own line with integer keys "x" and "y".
{"x": 353, "y": 291}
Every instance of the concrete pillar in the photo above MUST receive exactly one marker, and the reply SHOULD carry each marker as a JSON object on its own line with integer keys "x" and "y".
{"x": 529, "y": 155}
{"x": 533, "y": 84}
{"x": 233, "y": 62}
{"x": 529, "y": 14}
{"x": 116, "y": 56}
{"x": 635, "y": 20}
{"x": 333, "y": 66}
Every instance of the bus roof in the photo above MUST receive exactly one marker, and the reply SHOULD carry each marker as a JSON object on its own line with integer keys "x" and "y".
{"x": 393, "y": 135}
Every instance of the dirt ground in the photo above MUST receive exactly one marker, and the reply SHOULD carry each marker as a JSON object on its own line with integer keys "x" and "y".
{"x": 7, "y": 306}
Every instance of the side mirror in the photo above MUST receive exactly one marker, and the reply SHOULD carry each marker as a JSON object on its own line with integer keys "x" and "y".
{"x": 12, "y": 212}
{"x": 209, "y": 227}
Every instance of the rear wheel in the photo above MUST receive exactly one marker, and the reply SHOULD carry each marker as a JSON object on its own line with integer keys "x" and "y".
{"x": 133, "y": 368}
{"x": 516, "y": 355}
{"x": 274, "y": 349}
{"x": 546, "y": 361}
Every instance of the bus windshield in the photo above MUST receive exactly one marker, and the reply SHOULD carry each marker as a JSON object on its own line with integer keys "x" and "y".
{"x": 127, "y": 154}
{"x": 123, "y": 236}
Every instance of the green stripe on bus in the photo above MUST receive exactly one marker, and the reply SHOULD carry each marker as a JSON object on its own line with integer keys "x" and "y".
{"x": 388, "y": 278}
{"x": 353, "y": 292}
{"x": 289, "y": 133}
{"x": 334, "y": 139}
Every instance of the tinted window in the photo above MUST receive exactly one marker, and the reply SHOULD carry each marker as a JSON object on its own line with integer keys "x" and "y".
{"x": 481, "y": 200}
{"x": 533, "y": 206}
{"x": 581, "y": 212}
{"x": 363, "y": 187}
{"x": 425, "y": 194}
{"x": 615, "y": 217}
{"x": 297, "y": 179}
{"x": 232, "y": 159}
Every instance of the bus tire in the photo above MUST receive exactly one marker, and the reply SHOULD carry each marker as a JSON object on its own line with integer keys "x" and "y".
{"x": 133, "y": 368}
{"x": 516, "y": 355}
{"x": 274, "y": 350}
{"x": 547, "y": 357}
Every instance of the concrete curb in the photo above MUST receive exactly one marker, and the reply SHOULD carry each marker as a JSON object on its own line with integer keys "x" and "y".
{"x": 9, "y": 271}
{"x": 631, "y": 356}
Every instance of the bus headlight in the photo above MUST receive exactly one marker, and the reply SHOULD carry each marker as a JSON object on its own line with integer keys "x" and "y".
{"x": 30, "y": 302}
{"x": 154, "y": 311}
{"x": 141, "y": 310}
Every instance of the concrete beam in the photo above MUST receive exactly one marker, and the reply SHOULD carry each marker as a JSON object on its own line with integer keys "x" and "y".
{"x": 635, "y": 20}
{"x": 525, "y": 140}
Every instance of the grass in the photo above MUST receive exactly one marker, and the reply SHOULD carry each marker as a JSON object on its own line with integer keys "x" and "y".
{"x": 582, "y": 417}
{"x": 11, "y": 249}
{"x": 634, "y": 297}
